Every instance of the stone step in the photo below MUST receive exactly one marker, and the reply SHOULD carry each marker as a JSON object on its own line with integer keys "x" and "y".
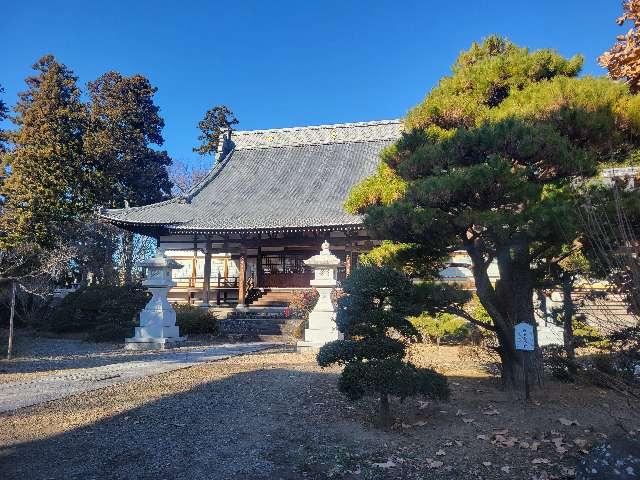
{"x": 259, "y": 326}
{"x": 270, "y": 303}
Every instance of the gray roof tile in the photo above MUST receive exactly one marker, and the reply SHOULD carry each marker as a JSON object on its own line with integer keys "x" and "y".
{"x": 293, "y": 178}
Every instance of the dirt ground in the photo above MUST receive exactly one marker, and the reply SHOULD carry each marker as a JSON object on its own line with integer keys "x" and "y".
{"x": 277, "y": 415}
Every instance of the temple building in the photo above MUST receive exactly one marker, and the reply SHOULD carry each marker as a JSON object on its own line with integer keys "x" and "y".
{"x": 269, "y": 202}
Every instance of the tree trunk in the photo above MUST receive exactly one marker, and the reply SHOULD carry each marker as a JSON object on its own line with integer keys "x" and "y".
{"x": 11, "y": 319}
{"x": 385, "y": 410}
{"x": 508, "y": 303}
{"x": 568, "y": 310}
{"x": 126, "y": 262}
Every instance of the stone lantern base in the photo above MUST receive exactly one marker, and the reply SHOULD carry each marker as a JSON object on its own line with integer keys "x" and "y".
{"x": 139, "y": 343}
{"x": 154, "y": 337}
{"x": 322, "y": 329}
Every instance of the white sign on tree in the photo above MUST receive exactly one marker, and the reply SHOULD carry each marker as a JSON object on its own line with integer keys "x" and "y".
{"x": 524, "y": 337}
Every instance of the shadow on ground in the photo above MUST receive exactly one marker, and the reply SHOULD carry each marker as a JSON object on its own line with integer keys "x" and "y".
{"x": 244, "y": 426}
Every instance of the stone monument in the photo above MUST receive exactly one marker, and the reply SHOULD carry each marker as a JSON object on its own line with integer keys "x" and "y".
{"x": 322, "y": 326}
{"x": 158, "y": 319}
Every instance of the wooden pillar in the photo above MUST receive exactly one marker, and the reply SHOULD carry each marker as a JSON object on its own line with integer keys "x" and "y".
{"x": 242, "y": 280}
{"x": 206, "y": 282}
{"x": 259, "y": 267}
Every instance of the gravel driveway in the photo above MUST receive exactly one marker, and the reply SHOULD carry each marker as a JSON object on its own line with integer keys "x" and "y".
{"x": 277, "y": 415}
{"x": 238, "y": 419}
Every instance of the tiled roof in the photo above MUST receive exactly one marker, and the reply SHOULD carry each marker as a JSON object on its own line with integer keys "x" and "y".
{"x": 290, "y": 178}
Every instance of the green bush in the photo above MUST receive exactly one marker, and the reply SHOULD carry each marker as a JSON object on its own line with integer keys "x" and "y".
{"x": 194, "y": 320}
{"x": 101, "y": 313}
{"x": 443, "y": 327}
{"x": 586, "y": 335}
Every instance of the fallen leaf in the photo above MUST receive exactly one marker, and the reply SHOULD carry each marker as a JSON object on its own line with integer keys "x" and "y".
{"x": 434, "y": 463}
{"x": 420, "y": 423}
{"x": 580, "y": 442}
{"x": 440, "y": 453}
{"x": 505, "y": 469}
{"x": 388, "y": 464}
{"x": 487, "y": 464}
{"x": 566, "y": 422}
{"x": 482, "y": 437}
{"x": 536, "y": 461}
{"x": 491, "y": 412}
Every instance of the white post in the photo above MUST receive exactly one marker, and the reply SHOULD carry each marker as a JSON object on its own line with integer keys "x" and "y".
{"x": 158, "y": 319}
{"x": 322, "y": 326}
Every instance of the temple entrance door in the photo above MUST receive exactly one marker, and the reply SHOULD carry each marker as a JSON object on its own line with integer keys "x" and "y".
{"x": 285, "y": 270}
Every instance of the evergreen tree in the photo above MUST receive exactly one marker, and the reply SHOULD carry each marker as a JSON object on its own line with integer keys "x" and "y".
{"x": 489, "y": 164}
{"x": 216, "y": 120}
{"x": 3, "y": 116}
{"x": 47, "y": 178}
{"x": 373, "y": 316}
{"x": 123, "y": 122}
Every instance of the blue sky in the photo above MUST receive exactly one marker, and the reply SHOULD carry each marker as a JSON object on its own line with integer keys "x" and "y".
{"x": 285, "y": 63}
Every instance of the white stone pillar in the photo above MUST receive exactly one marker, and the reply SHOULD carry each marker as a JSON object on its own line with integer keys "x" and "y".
{"x": 158, "y": 319}
{"x": 322, "y": 326}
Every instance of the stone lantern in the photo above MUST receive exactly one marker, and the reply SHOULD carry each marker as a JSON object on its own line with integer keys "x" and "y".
{"x": 158, "y": 319}
{"x": 322, "y": 326}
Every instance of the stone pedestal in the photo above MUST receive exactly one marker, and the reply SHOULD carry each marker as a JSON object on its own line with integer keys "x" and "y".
{"x": 157, "y": 328}
{"x": 322, "y": 326}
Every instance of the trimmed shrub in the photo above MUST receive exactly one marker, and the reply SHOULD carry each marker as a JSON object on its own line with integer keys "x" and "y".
{"x": 443, "y": 327}
{"x": 194, "y": 320}
{"x": 101, "y": 313}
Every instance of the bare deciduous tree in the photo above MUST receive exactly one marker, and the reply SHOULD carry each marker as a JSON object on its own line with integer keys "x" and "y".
{"x": 623, "y": 59}
{"x": 185, "y": 175}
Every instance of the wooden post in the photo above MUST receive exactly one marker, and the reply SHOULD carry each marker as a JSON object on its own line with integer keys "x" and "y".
{"x": 11, "y": 316}
{"x": 206, "y": 283}
{"x": 242, "y": 282}
{"x": 259, "y": 267}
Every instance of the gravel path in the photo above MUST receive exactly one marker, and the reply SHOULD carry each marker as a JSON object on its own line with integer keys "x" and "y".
{"x": 14, "y": 395}
{"x": 276, "y": 415}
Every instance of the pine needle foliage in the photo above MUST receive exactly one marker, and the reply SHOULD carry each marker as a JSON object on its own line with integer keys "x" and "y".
{"x": 490, "y": 162}
{"x": 374, "y": 316}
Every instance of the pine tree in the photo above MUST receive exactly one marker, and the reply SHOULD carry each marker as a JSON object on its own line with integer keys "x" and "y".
{"x": 47, "y": 177}
{"x": 489, "y": 164}
{"x": 215, "y": 120}
{"x": 373, "y": 315}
